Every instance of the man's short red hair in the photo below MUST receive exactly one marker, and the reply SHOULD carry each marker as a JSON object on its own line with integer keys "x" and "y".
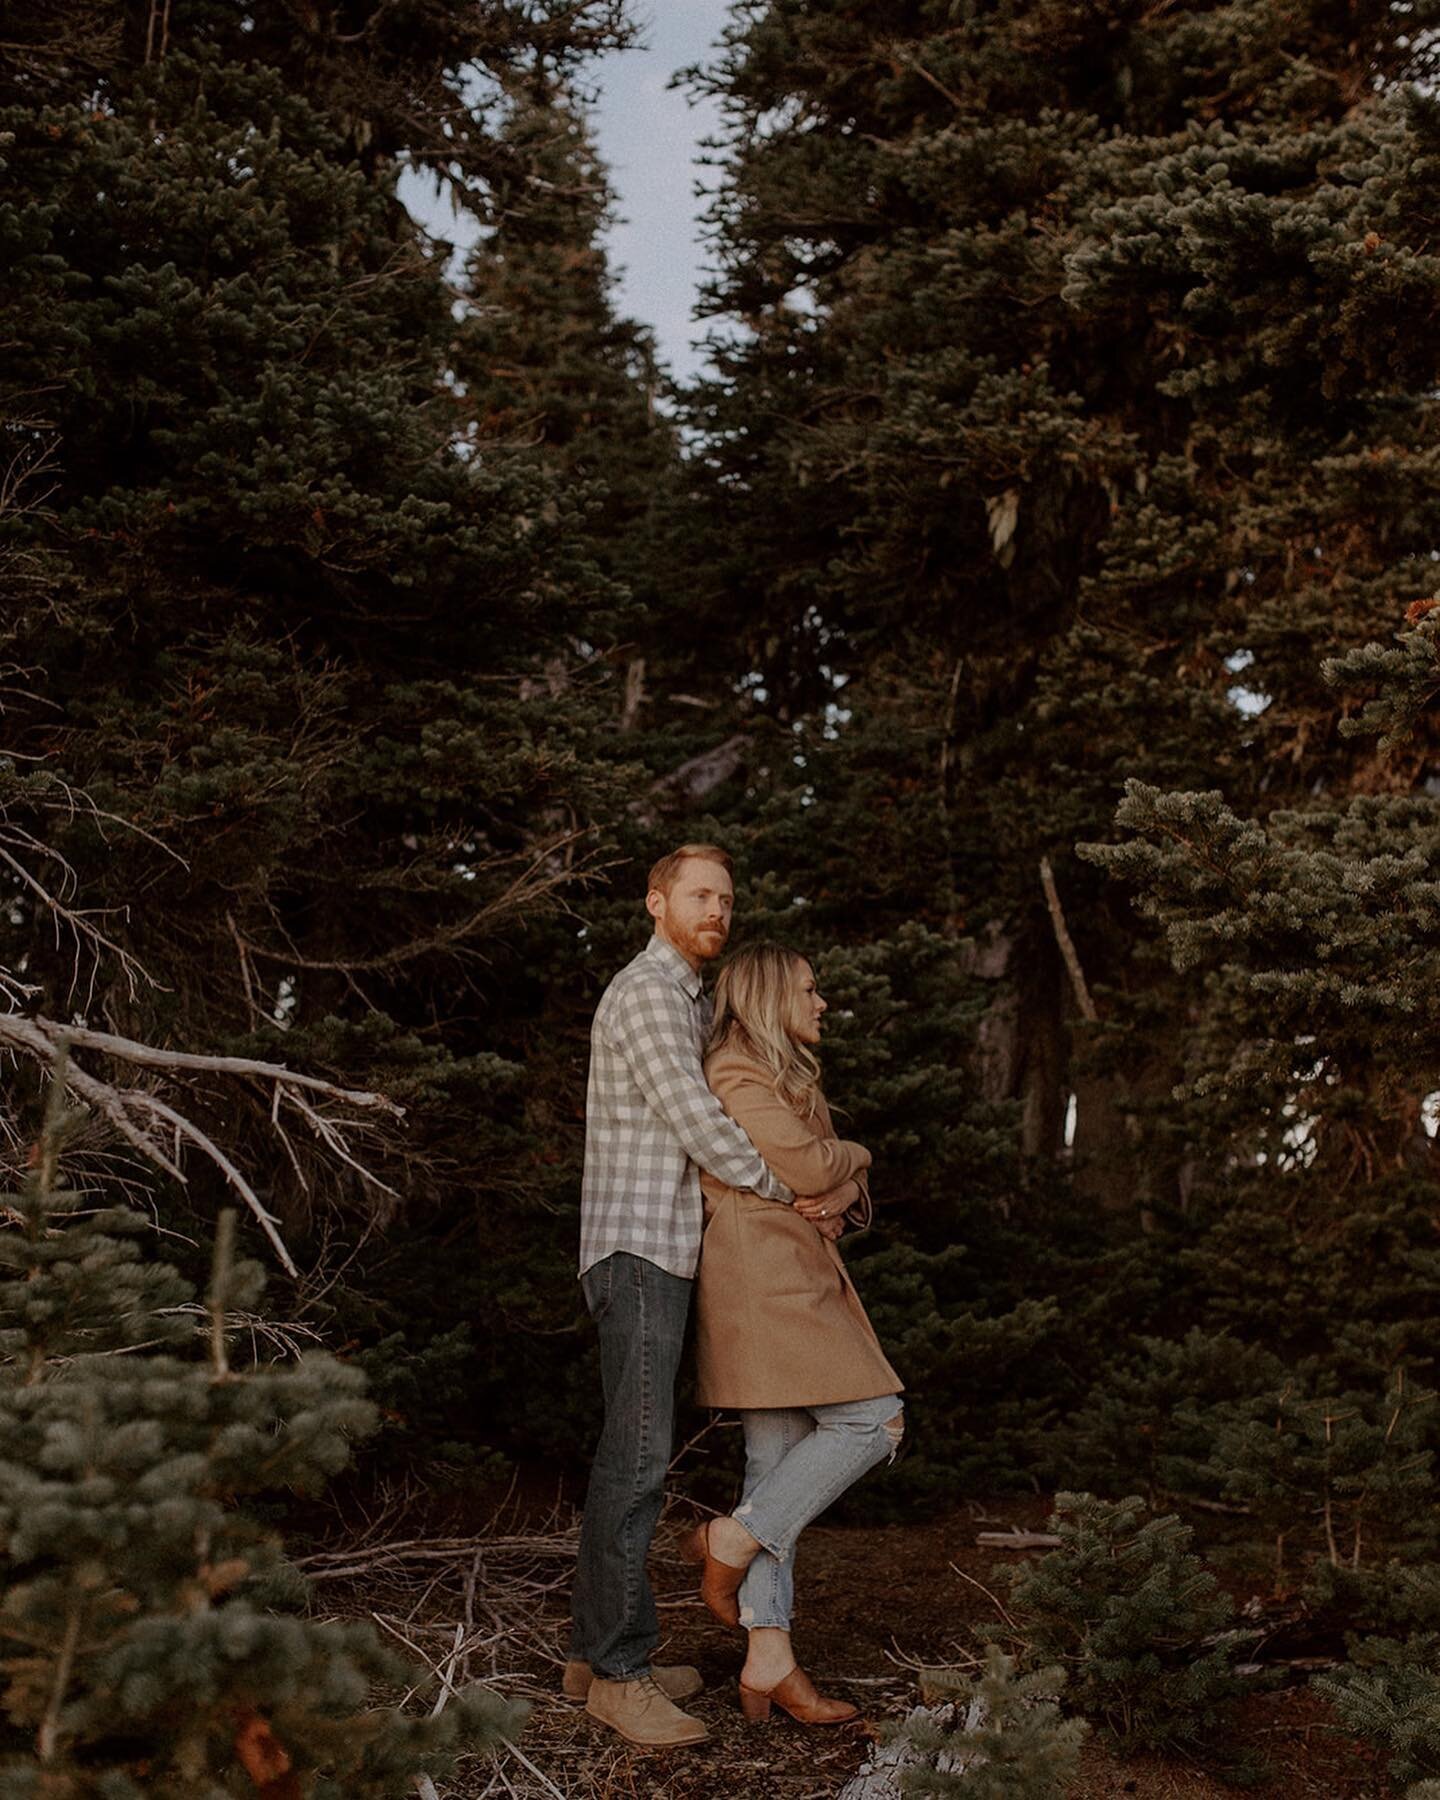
{"x": 663, "y": 875}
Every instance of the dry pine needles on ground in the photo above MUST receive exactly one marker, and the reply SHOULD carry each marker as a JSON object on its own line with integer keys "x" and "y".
{"x": 879, "y": 1605}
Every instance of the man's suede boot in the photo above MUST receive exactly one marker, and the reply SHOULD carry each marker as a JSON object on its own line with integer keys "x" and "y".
{"x": 677, "y": 1681}
{"x": 643, "y": 1713}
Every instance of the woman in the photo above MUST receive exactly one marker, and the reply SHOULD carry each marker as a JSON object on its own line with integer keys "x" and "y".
{"x": 780, "y": 1332}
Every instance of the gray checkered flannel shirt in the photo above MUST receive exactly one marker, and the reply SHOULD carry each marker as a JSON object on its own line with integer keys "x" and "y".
{"x": 651, "y": 1124}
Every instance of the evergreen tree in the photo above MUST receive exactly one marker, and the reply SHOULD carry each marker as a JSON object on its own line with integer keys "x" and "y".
{"x": 1071, "y": 421}
{"x": 1393, "y": 1698}
{"x": 140, "y": 1645}
{"x": 1022, "y": 421}
{"x": 301, "y": 630}
{"x": 1350, "y": 1472}
{"x": 1152, "y": 1419}
{"x": 1000, "y": 1736}
{"x": 996, "y": 1736}
{"x": 547, "y": 364}
{"x": 1139, "y": 1626}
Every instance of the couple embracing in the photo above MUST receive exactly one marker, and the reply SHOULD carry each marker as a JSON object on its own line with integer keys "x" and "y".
{"x": 710, "y": 1123}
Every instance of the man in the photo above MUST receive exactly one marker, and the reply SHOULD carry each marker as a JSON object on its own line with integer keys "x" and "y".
{"x": 651, "y": 1124}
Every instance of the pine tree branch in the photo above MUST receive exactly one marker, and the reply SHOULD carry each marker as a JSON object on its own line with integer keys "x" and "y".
{"x": 50, "y": 795}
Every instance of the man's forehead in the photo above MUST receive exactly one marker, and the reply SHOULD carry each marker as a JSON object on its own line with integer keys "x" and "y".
{"x": 696, "y": 872}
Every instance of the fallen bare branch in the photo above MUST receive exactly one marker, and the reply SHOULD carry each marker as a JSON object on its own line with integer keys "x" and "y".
{"x": 1018, "y": 1540}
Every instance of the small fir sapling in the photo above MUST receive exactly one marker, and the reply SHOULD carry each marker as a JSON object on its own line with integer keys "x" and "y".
{"x": 1390, "y": 1695}
{"x": 1341, "y": 1477}
{"x": 1005, "y": 1737}
{"x": 1152, "y": 1420}
{"x": 149, "y": 1642}
{"x": 1142, "y": 1630}
{"x": 1397, "y": 1598}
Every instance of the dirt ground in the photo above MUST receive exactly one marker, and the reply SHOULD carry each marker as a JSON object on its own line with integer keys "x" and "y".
{"x": 875, "y": 1606}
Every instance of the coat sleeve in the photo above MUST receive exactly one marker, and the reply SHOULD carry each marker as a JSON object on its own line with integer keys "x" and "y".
{"x": 804, "y": 1162}
{"x": 861, "y": 1215}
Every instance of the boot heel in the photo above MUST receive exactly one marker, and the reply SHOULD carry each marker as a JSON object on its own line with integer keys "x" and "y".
{"x": 755, "y": 1707}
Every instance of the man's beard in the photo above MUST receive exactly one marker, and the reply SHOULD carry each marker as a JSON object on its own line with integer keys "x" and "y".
{"x": 703, "y": 942}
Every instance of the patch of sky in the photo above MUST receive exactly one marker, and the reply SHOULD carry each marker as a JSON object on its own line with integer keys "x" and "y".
{"x": 650, "y": 134}
{"x": 1300, "y": 1141}
{"x": 287, "y": 999}
{"x": 1248, "y": 700}
{"x": 1299, "y": 1144}
{"x": 434, "y": 202}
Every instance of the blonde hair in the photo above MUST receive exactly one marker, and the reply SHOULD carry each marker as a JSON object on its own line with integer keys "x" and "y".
{"x": 663, "y": 874}
{"x": 755, "y": 1002}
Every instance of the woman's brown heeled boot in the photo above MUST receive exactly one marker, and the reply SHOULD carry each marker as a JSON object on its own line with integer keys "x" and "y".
{"x": 719, "y": 1581}
{"x": 797, "y": 1695}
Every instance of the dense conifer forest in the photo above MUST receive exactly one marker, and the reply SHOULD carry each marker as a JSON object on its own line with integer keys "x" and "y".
{"x": 1037, "y": 593}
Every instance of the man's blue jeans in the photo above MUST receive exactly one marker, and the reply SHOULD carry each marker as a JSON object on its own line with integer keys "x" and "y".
{"x": 640, "y": 1311}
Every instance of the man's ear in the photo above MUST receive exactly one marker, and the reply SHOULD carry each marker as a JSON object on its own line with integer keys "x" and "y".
{"x": 655, "y": 904}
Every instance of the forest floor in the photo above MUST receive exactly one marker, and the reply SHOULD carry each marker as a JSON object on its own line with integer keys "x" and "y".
{"x": 878, "y": 1604}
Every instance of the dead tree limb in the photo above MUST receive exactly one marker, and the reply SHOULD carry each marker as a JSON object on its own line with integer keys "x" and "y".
{"x": 545, "y": 874}
{"x": 1066, "y": 942}
{"x": 695, "y": 779}
{"x": 152, "y": 1126}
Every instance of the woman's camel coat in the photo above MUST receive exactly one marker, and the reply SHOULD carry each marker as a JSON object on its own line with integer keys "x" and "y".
{"x": 778, "y": 1321}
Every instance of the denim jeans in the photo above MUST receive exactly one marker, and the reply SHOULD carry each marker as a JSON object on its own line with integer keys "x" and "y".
{"x": 798, "y": 1459}
{"x": 640, "y": 1311}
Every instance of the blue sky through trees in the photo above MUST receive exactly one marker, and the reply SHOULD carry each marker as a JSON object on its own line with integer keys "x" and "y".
{"x": 649, "y": 137}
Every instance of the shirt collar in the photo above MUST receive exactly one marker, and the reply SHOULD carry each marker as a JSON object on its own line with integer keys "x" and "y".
{"x": 675, "y": 966}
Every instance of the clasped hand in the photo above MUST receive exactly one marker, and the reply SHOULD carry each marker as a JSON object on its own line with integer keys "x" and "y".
{"x": 826, "y": 1212}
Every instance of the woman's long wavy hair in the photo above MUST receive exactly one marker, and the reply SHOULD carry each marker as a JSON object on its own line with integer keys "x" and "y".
{"x": 755, "y": 1002}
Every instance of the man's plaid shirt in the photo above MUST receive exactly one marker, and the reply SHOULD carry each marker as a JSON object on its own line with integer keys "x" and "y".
{"x": 651, "y": 1124}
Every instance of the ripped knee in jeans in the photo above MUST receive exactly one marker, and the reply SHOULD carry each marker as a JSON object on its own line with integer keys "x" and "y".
{"x": 895, "y": 1432}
